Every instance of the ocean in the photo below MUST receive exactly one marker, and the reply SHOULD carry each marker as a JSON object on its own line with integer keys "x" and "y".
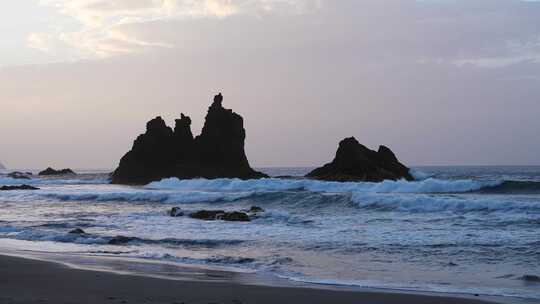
{"x": 473, "y": 230}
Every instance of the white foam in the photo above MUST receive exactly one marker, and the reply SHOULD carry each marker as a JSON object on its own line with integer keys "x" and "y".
{"x": 144, "y": 196}
{"x": 430, "y": 185}
{"x": 404, "y": 286}
{"x": 419, "y": 175}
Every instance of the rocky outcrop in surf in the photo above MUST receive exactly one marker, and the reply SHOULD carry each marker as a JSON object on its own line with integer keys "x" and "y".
{"x": 214, "y": 215}
{"x": 355, "y": 162}
{"x": 51, "y": 171}
{"x": 21, "y": 187}
{"x": 161, "y": 152}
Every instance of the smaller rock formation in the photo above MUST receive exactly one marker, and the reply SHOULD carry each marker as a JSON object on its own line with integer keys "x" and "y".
{"x": 51, "y": 171}
{"x": 355, "y": 162}
{"x": 21, "y": 187}
{"x": 20, "y": 175}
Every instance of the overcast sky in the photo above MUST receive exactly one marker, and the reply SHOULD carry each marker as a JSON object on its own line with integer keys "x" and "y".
{"x": 439, "y": 82}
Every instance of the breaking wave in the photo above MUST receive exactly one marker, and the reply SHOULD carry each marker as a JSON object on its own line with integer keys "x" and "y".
{"x": 512, "y": 187}
{"x": 430, "y": 185}
{"x": 65, "y": 237}
{"x": 148, "y": 196}
{"x": 424, "y": 203}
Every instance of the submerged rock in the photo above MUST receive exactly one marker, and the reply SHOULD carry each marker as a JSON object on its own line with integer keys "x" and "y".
{"x": 176, "y": 212}
{"x": 212, "y": 215}
{"x": 21, "y": 187}
{"x": 207, "y": 215}
{"x": 235, "y": 216}
{"x": 161, "y": 152}
{"x": 355, "y": 162}
{"x": 120, "y": 240}
{"x": 51, "y": 171}
{"x": 77, "y": 231}
{"x": 531, "y": 278}
{"x": 20, "y": 175}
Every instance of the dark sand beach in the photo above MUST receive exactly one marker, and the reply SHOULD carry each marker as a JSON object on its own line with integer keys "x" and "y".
{"x": 33, "y": 281}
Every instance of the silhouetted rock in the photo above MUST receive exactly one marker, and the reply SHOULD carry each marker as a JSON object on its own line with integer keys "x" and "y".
{"x": 21, "y": 187}
{"x": 51, "y": 171}
{"x": 218, "y": 152}
{"x": 150, "y": 158}
{"x": 355, "y": 162}
{"x": 20, "y": 175}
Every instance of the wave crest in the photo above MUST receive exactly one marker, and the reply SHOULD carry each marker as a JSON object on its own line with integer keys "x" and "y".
{"x": 430, "y": 185}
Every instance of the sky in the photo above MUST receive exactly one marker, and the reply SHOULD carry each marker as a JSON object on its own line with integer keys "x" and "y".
{"x": 440, "y": 82}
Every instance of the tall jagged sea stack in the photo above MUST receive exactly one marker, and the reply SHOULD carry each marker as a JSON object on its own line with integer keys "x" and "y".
{"x": 161, "y": 152}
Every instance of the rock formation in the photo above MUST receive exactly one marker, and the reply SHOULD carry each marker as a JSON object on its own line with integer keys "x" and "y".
{"x": 21, "y": 187}
{"x": 2, "y": 167}
{"x": 51, "y": 171}
{"x": 213, "y": 215}
{"x": 355, "y": 162}
{"x": 161, "y": 152}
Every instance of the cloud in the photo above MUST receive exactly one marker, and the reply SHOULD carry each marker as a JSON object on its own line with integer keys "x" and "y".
{"x": 487, "y": 34}
{"x": 102, "y": 21}
{"x": 441, "y": 82}
{"x": 41, "y": 41}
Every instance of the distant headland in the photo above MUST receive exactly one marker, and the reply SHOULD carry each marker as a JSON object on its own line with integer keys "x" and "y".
{"x": 218, "y": 152}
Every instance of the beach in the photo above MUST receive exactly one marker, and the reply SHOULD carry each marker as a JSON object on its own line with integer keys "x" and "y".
{"x": 31, "y": 281}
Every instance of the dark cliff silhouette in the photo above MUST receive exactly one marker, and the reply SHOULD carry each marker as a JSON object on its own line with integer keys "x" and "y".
{"x": 355, "y": 162}
{"x": 218, "y": 152}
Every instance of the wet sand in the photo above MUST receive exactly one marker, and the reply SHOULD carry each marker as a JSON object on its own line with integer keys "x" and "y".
{"x": 33, "y": 281}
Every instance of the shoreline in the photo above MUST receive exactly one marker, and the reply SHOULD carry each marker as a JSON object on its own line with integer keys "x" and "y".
{"x": 35, "y": 280}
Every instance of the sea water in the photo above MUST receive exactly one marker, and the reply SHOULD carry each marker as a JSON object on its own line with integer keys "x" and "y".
{"x": 455, "y": 229}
